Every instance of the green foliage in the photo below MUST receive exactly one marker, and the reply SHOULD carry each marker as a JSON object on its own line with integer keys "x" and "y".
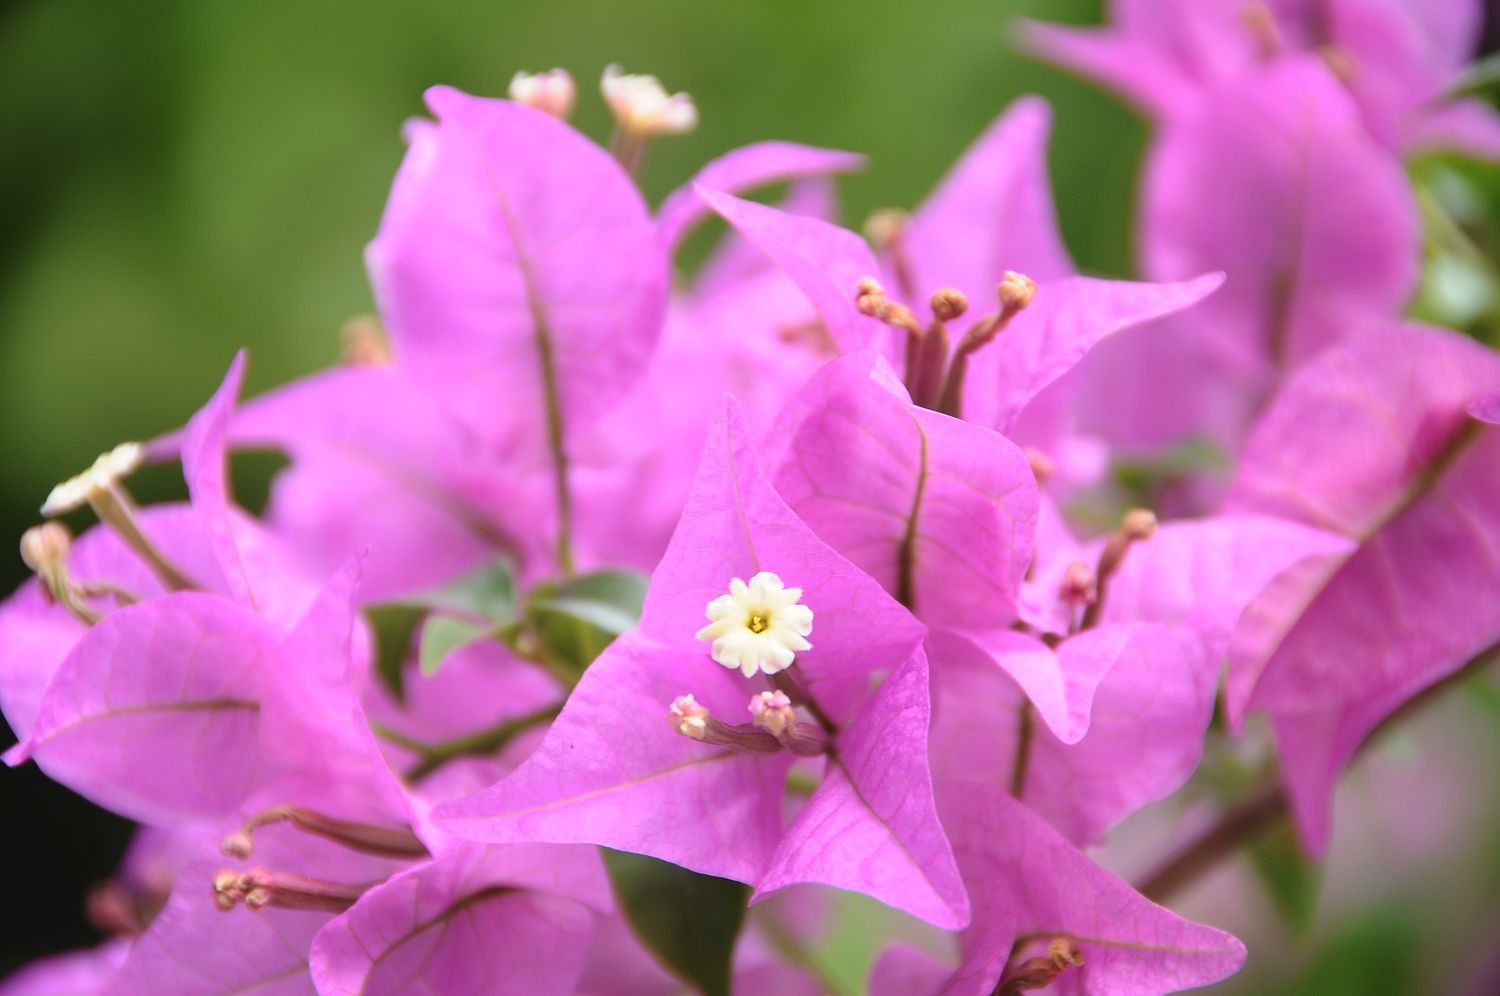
{"x": 689, "y": 921}
{"x": 1291, "y": 878}
{"x": 574, "y": 620}
{"x": 488, "y": 592}
{"x": 441, "y": 636}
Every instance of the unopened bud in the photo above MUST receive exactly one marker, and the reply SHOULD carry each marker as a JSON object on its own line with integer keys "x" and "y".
{"x": 1016, "y": 291}
{"x": 948, "y": 304}
{"x": 688, "y": 717}
{"x": 772, "y": 712}
{"x": 642, "y": 106}
{"x": 552, "y": 91}
{"x": 367, "y": 838}
{"x": 1140, "y": 524}
{"x": 1042, "y": 466}
{"x": 363, "y": 343}
{"x": 1079, "y": 584}
{"x": 1041, "y": 972}
{"x": 259, "y": 888}
{"x": 885, "y": 226}
{"x": 45, "y": 547}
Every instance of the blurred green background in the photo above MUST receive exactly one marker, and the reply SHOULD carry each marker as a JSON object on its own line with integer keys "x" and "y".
{"x": 181, "y": 179}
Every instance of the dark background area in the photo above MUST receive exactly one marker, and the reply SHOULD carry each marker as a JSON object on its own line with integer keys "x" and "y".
{"x": 181, "y": 179}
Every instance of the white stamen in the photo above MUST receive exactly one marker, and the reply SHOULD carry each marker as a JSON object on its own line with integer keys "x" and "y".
{"x": 642, "y": 105}
{"x": 760, "y": 626}
{"x": 109, "y": 468}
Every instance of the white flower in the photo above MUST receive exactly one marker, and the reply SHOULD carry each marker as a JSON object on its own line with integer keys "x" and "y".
{"x": 642, "y": 105}
{"x": 552, "y": 91}
{"x": 109, "y": 468}
{"x": 760, "y": 626}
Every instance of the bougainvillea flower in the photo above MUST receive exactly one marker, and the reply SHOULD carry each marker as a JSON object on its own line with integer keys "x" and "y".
{"x": 497, "y": 281}
{"x": 708, "y": 795}
{"x": 1396, "y": 57}
{"x": 1134, "y": 687}
{"x": 475, "y": 920}
{"x": 754, "y": 165}
{"x": 378, "y": 464}
{"x": 990, "y": 223}
{"x": 1275, "y": 181}
{"x": 142, "y": 554}
{"x": 1045, "y": 915}
{"x": 1413, "y": 485}
{"x": 742, "y": 328}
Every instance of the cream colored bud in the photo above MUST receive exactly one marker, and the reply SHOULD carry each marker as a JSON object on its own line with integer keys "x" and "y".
{"x": 552, "y": 91}
{"x": 46, "y": 546}
{"x": 1140, "y": 524}
{"x": 1016, "y": 291}
{"x": 642, "y": 106}
{"x": 948, "y": 304}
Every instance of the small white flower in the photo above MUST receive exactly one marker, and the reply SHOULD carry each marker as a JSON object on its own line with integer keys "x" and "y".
{"x": 760, "y": 626}
{"x": 642, "y": 105}
{"x": 109, "y": 468}
{"x": 552, "y": 91}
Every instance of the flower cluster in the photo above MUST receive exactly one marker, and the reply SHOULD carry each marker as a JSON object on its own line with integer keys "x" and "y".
{"x": 405, "y": 730}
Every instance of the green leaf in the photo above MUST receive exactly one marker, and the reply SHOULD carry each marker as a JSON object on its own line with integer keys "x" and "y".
{"x": 488, "y": 591}
{"x": 1291, "y": 878}
{"x": 575, "y": 620}
{"x": 689, "y": 921}
{"x": 393, "y": 624}
{"x": 441, "y": 636}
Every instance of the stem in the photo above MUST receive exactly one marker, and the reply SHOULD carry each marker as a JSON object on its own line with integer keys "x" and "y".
{"x": 115, "y": 509}
{"x": 1258, "y": 813}
{"x": 551, "y": 400}
{"x": 1237, "y": 827}
{"x": 481, "y": 742}
{"x": 1023, "y": 749}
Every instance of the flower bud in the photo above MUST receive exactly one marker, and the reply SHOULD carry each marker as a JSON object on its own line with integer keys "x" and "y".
{"x": 552, "y": 91}
{"x": 1079, "y": 584}
{"x": 44, "y": 548}
{"x": 1140, "y": 524}
{"x": 642, "y": 106}
{"x": 948, "y": 304}
{"x": 1016, "y": 291}
{"x": 688, "y": 717}
{"x": 1042, "y": 466}
{"x": 772, "y": 712}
